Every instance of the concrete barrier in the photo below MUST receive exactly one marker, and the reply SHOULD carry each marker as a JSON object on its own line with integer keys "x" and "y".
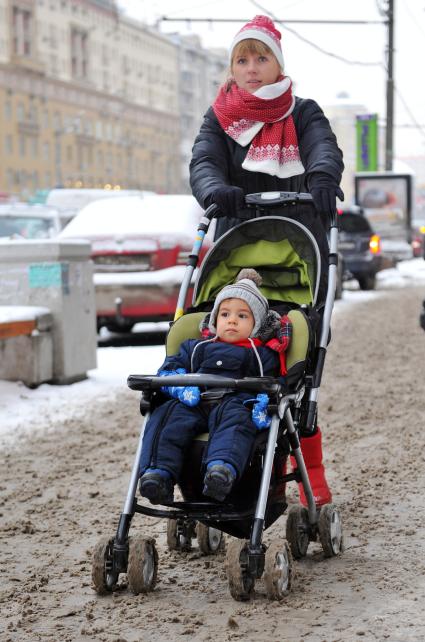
{"x": 26, "y": 344}
{"x": 56, "y": 275}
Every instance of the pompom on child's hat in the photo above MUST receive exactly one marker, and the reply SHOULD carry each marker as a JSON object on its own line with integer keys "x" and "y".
{"x": 261, "y": 28}
{"x": 245, "y": 288}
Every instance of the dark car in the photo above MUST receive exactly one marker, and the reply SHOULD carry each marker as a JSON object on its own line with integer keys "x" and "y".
{"x": 360, "y": 247}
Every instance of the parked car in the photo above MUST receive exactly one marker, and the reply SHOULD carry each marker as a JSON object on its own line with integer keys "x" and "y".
{"x": 360, "y": 247}
{"x": 418, "y": 238}
{"x": 23, "y": 221}
{"x": 139, "y": 250}
{"x": 69, "y": 202}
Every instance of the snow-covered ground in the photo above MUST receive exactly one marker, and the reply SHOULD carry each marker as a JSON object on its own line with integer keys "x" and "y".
{"x": 22, "y": 409}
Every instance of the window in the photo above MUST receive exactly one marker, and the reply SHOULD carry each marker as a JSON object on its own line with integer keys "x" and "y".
{"x": 33, "y": 114}
{"x": 34, "y": 147}
{"x": 79, "y": 53}
{"x": 7, "y": 110}
{"x": 22, "y": 31}
{"x": 8, "y": 144}
{"x": 10, "y": 179}
{"x": 57, "y": 124}
{"x": 22, "y": 145}
{"x": 20, "y": 112}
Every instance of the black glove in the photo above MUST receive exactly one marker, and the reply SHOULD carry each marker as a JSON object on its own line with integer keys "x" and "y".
{"x": 229, "y": 199}
{"x": 324, "y": 199}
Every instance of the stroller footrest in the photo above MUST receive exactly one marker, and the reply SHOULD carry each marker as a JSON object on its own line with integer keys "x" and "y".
{"x": 197, "y": 510}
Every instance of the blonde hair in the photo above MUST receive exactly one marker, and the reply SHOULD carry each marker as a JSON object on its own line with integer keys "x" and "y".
{"x": 252, "y": 46}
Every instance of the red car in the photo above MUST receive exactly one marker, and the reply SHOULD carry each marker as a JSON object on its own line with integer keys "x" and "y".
{"x": 139, "y": 250}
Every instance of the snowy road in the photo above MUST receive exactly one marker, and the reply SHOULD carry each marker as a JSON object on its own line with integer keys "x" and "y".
{"x": 64, "y": 481}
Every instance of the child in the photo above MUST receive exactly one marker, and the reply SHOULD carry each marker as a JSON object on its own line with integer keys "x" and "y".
{"x": 243, "y": 338}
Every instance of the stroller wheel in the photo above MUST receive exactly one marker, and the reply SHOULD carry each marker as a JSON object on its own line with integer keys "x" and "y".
{"x": 102, "y": 563}
{"x": 179, "y": 535}
{"x": 297, "y": 531}
{"x": 241, "y": 582}
{"x": 210, "y": 540}
{"x": 142, "y": 569}
{"x": 278, "y": 570}
{"x": 330, "y": 530}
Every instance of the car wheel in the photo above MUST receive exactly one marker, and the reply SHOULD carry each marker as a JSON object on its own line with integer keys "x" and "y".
{"x": 367, "y": 282}
{"x": 120, "y": 329}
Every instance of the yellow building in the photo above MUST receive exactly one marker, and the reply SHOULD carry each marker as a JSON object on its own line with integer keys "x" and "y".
{"x": 87, "y": 99}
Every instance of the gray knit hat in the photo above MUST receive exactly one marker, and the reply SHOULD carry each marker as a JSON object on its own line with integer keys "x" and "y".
{"x": 245, "y": 288}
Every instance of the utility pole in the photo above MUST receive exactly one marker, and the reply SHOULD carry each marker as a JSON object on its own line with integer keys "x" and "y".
{"x": 389, "y": 127}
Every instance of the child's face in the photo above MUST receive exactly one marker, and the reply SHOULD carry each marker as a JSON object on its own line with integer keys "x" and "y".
{"x": 235, "y": 320}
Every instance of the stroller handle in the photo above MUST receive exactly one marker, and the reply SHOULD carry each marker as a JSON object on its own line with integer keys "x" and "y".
{"x": 213, "y": 211}
{"x": 263, "y": 201}
{"x": 248, "y": 384}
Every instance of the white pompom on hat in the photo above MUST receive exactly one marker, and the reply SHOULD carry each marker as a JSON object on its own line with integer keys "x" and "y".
{"x": 245, "y": 288}
{"x": 261, "y": 28}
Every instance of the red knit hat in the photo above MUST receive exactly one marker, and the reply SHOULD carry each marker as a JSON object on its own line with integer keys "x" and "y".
{"x": 261, "y": 28}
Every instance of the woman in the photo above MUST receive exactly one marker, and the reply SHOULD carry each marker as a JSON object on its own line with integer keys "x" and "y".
{"x": 259, "y": 137}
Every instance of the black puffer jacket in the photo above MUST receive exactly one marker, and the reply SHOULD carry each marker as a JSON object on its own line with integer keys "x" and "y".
{"x": 217, "y": 159}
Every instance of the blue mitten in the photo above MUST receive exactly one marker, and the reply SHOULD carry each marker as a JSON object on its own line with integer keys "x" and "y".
{"x": 189, "y": 395}
{"x": 171, "y": 391}
{"x": 259, "y": 412}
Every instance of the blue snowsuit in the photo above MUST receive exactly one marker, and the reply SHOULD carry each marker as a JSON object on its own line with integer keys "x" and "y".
{"x": 173, "y": 425}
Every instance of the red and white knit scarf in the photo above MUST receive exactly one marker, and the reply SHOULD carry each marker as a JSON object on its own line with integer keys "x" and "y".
{"x": 263, "y": 119}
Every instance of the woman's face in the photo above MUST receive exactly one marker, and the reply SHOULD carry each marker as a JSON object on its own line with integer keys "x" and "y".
{"x": 252, "y": 70}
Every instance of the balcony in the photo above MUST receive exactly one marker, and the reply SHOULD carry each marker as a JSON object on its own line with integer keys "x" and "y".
{"x": 29, "y": 63}
{"x": 27, "y": 126}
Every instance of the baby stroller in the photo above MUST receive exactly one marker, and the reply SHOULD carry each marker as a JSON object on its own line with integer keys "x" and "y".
{"x": 278, "y": 244}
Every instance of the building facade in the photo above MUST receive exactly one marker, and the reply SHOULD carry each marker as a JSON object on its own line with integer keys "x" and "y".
{"x": 88, "y": 98}
{"x": 201, "y": 73}
{"x": 342, "y": 116}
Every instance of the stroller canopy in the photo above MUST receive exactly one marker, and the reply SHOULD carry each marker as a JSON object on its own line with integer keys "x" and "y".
{"x": 282, "y": 250}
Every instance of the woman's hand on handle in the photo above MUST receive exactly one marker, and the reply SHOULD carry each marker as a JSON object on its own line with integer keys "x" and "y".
{"x": 229, "y": 199}
{"x": 324, "y": 199}
{"x": 324, "y": 191}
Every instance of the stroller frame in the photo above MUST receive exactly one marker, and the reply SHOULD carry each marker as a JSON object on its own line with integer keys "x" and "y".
{"x": 114, "y": 556}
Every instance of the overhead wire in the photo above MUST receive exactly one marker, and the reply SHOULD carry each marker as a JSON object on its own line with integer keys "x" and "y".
{"x": 312, "y": 44}
{"x": 381, "y": 64}
{"x": 381, "y": 11}
{"x": 416, "y": 124}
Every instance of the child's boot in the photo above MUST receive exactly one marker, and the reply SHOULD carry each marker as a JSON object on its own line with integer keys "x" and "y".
{"x": 311, "y": 448}
{"x": 157, "y": 485}
{"x": 219, "y": 479}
